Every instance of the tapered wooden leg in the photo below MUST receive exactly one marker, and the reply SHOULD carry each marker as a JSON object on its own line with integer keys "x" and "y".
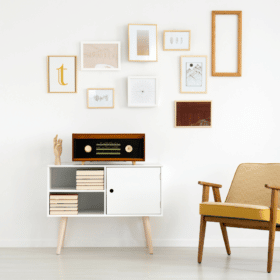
{"x": 145, "y": 233}
{"x": 61, "y": 232}
{"x": 64, "y": 234}
{"x": 272, "y": 228}
{"x": 148, "y": 235}
{"x": 201, "y": 238}
{"x": 225, "y": 236}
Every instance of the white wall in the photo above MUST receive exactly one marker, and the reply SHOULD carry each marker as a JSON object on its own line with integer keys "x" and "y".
{"x": 245, "y": 114}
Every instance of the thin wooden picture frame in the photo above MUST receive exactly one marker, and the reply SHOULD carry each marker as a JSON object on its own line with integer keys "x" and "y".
{"x": 48, "y": 73}
{"x": 164, "y": 38}
{"x": 129, "y": 39}
{"x": 113, "y": 96}
{"x": 239, "y": 44}
{"x": 104, "y": 68}
{"x": 190, "y": 101}
{"x": 182, "y": 72}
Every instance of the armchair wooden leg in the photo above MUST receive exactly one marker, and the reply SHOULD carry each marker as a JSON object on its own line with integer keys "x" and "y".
{"x": 225, "y": 236}
{"x": 272, "y": 228}
{"x": 201, "y": 238}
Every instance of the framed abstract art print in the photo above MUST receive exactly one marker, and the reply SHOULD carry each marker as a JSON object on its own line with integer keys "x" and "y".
{"x": 193, "y": 74}
{"x": 193, "y": 113}
{"x": 62, "y": 74}
{"x": 142, "y": 42}
{"x": 97, "y": 56}
{"x": 100, "y": 98}
{"x": 176, "y": 40}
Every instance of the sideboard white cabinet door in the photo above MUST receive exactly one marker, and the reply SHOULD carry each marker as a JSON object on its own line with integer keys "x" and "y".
{"x": 133, "y": 191}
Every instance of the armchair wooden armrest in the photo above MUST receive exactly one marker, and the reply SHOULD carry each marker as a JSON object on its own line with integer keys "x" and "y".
{"x": 205, "y": 193}
{"x": 209, "y": 184}
{"x": 273, "y": 187}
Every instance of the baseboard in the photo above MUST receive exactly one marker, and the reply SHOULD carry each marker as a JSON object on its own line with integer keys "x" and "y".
{"x": 191, "y": 243}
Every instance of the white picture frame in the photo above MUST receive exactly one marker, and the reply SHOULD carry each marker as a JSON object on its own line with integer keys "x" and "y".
{"x": 100, "y": 55}
{"x": 193, "y": 78}
{"x": 100, "y": 98}
{"x": 142, "y": 91}
{"x": 176, "y": 40}
{"x": 142, "y": 43}
{"x": 62, "y": 73}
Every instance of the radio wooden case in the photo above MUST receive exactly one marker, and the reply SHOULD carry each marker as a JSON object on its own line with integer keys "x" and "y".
{"x": 108, "y": 147}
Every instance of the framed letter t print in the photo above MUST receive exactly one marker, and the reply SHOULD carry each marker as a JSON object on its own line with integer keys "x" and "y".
{"x": 193, "y": 74}
{"x": 142, "y": 42}
{"x": 62, "y": 74}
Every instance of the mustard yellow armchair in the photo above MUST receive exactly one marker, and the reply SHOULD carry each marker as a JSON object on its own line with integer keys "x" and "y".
{"x": 252, "y": 202}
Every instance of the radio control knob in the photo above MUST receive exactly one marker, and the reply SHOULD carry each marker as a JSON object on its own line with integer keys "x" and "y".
{"x": 88, "y": 148}
{"x": 128, "y": 148}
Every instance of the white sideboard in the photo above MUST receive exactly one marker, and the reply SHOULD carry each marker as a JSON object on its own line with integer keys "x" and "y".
{"x": 129, "y": 190}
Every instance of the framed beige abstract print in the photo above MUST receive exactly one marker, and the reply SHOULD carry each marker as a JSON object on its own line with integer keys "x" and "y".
{"x": 176, "y": 40}
{"x": 193, "y": 74}
{"x": 100, "y": 98}
{"x": 62, "y": 74}
{"x": 193, "y": 113}
{"x": 142, "y": 42}
{"x": 101, "y": 56}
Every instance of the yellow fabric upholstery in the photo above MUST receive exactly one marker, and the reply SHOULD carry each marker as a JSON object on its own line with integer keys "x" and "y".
{"x": 247, "y": 186}
{"x": 235, "y": 210}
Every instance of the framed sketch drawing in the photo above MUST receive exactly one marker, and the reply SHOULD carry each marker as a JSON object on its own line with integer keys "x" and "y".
{"x": 142, "y": 42}
{"x": 227, "y": 43}
{"x": 101, "y": 55}
{"x": 100, "y": 98}
{"x": 193, "y": 113}
{"x": 193, "y": 74}
{"x": 62, "y": 74}
{"x": 142, "y": 91}
{"x": 176, "y": 40}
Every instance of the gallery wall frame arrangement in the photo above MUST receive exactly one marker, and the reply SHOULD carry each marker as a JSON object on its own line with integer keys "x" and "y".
{"x": 100, "y": 55}
{"x": 142, "y": 91}
{"x": 193, "y": 74}
{"x": 100, "y": 98}
{"x": 193, "y": 113}
{"x": 142, "y": 43}
{"x": 221, "y": 49}
{"x": 62, "y": 73}
{"x": 176, "y": 40}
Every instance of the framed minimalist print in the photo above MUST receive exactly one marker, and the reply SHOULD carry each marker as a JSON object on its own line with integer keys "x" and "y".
{"x": 193, "y": 74}
{"x": 142, "y": 91}
{"x": 62, "y": 74}
{"x": 226, "y": 43}
{"x": 100, "y": 56}
{"x": 142, "y": 42}
{"x": 193, "y": 114}
{"x": 176, "y": 40}
{"x": 100, "y": 98}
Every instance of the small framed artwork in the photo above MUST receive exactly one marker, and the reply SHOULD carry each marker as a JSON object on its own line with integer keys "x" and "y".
{"x": 62, "y": 74}
{"x": 193, "y": 74}
{"x": 100, "y": 98}
{"x": 142, "y": 91}
{"x": 176, "y": 40}
{"x": 142, "y": 42}
{"x": 101, "y": 56}
{"x": 193, "y": 113}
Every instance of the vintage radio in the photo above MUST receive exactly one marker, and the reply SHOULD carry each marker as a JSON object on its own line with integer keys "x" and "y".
{"x": 108, "y": 147}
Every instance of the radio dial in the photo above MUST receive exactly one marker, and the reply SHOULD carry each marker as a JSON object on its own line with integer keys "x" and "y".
{"x": 128, "y": 148}
{"x": 88, "y": 148}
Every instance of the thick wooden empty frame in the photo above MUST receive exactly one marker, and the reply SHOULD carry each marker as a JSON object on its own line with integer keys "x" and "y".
{"x": 227, "y": 73}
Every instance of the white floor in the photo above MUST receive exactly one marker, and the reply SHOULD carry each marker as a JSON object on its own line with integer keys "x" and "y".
{"x": 135, "y": 263}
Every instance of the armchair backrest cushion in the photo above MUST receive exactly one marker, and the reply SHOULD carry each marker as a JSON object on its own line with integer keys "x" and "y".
{"x": 247, "y": 186}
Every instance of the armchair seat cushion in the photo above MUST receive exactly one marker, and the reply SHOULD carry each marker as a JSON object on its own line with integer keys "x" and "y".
{"x": 236, "y": 210}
